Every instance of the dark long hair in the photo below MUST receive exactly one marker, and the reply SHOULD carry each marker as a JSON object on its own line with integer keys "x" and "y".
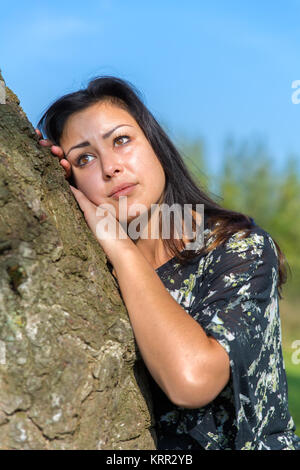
{"x": 180, "y": 186}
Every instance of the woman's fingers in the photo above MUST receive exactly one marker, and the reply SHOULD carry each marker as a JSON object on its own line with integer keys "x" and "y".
{"x": 67, "y": 167}
{"x": 43, "y": 142}
{"x": 55, "y": 149}
{"x": 58, "y": 152}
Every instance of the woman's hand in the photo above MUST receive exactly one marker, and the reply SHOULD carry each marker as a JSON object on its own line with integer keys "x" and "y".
{"x": 58, "y": 152}
{"x": 104, "y": 225}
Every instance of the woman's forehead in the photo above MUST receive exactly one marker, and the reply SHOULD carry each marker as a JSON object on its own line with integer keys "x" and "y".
{"x": 100, "y": 113}
{"x": 102, "y": 116}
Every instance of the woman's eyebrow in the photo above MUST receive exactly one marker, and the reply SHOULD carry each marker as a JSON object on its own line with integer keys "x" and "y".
{"x": 82, "y": 144}
{"x": 104, "y": 136}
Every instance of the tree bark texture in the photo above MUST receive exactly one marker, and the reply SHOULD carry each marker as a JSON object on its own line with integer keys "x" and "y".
{"x": 71, "y": 376}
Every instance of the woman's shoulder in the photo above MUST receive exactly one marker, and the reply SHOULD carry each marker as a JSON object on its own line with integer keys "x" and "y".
{"x": 245, "y": 244}
{"x": 241, "y": 238}
{"x": 241, "y": 245}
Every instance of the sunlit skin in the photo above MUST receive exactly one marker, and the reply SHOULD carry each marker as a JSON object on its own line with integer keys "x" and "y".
{"x": 190, "y": 367}
{"x": 126, "y": 155}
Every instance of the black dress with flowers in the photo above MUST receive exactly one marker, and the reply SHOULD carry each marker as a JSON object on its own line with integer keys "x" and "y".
{"x": 232, "y": 293}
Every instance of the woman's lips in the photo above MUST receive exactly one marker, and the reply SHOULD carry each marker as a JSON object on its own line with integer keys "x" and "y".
{"x": 124, "y": 191}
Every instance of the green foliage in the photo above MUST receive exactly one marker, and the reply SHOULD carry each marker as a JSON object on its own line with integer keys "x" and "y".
{"x": 293, "y": 378}
{"x": 249, "y": 183}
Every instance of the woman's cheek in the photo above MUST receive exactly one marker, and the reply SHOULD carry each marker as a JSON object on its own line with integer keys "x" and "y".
{"x": 88, "y": 182}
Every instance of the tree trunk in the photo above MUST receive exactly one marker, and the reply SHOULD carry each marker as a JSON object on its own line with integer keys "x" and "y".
{"x": 71, "y": 376}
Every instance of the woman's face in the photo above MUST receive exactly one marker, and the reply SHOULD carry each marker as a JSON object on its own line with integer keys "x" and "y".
{"x": 103, "y": 157}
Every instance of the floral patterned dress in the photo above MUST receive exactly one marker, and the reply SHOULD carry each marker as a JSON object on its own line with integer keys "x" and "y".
{"x": 232, "y": 293}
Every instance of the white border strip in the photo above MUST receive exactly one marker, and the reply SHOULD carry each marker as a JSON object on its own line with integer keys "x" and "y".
{"x": 2, "y": 92}
{"x": 2, "y": 353}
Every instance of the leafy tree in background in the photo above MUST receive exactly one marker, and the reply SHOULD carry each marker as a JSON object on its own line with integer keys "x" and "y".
{"x": 249, "y": 182}
{"x": 286, "y": 222}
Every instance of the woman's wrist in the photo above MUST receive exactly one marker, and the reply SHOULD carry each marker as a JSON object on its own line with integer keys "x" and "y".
{"x": 123, "y": 255}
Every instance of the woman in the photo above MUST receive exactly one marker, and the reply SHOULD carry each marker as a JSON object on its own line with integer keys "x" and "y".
{"x": 206, "y": 319}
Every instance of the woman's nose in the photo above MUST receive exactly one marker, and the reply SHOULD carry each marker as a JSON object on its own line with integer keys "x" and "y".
{"x": 110, "y": 165}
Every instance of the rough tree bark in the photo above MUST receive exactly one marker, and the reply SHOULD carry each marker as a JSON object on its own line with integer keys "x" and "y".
{"x": 71, "y": 376}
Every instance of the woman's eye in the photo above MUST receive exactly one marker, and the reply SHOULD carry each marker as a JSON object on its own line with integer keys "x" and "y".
{"x": 82, "y": 158}
{"x": 118, "y": 141}
{"x": 121, "y": 138}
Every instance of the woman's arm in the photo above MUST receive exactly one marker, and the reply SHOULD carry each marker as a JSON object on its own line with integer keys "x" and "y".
{"x": 189, "y": 366}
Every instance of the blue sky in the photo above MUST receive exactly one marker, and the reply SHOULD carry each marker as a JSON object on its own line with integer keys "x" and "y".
{"x": 207, "y": 69}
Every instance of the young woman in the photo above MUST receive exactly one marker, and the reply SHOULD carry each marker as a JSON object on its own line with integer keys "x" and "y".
{"x": 206, "y": 320}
